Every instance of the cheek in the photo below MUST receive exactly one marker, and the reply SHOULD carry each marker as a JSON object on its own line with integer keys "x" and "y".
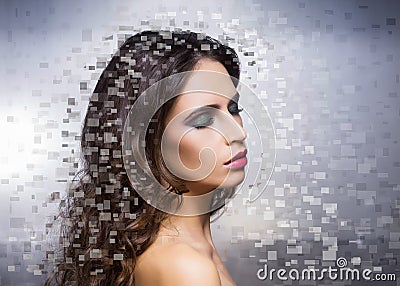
{"x": 192, "y": 144}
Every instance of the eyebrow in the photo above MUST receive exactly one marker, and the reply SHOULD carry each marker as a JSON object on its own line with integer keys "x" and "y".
{"x": 201, "y": 109}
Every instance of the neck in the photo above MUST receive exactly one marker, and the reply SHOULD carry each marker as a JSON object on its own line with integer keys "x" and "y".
{"x": 191, "y": 228}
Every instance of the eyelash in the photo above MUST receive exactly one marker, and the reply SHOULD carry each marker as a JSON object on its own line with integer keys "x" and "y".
{"x": 235, "y": 112}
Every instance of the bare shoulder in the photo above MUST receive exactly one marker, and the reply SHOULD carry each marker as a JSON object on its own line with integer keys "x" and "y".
{"x": 176, "y": 264}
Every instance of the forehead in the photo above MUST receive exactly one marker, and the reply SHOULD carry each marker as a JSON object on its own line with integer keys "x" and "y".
{"x": 210, "y": 85}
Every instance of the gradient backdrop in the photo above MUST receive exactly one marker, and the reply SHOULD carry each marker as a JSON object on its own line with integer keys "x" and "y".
{"x": 328, "y": 72}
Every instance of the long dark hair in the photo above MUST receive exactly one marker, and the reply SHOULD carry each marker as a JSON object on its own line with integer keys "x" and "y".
{"x": 105, "y": 224}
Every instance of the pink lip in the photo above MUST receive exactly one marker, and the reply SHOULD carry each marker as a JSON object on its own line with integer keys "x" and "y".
{"x": 238, "y": 161}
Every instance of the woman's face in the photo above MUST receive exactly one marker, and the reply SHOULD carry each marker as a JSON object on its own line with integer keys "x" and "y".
{"x": 205, "y": 130}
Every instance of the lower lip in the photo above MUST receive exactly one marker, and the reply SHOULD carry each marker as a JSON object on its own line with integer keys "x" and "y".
{"x": 239, "y": 163}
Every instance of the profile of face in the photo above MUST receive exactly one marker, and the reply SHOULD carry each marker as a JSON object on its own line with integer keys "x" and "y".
{"x": 204, "y": 139}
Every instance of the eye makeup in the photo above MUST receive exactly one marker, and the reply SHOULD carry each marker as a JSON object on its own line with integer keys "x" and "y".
{"x": 202, "y": 120}
{"x": 205, "y": 115}
{"x": 202, "y": 117}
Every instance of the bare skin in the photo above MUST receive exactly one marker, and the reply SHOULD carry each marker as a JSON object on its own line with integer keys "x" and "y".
{"x": 183, "y": 252}
{"x": 191, "y": 245}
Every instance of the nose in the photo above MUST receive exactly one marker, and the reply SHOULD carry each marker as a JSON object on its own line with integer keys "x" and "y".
{"x": 234, "y": 131}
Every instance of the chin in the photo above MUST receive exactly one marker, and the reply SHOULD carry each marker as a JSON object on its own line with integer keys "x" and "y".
{"x": 214, "y": 182}
{"x": 234, "y": 179}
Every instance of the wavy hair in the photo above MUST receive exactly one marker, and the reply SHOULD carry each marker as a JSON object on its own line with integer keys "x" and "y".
{"x": 104, "y": 224}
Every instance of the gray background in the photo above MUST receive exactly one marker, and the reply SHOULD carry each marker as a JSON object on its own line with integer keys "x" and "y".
{"x": 328, "y": 72}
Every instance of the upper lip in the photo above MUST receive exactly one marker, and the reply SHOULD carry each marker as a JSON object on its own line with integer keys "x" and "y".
{"x": 237, "y": 156}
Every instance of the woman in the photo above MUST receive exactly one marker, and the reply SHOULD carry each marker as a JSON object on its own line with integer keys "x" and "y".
{"x": 111, "y": 235}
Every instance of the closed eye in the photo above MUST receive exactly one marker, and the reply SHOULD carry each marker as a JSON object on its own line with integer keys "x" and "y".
{"x": 202, "y": 121}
